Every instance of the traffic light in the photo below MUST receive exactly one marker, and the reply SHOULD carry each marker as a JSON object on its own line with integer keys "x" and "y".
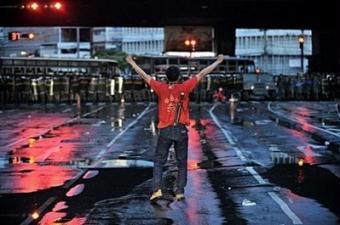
{"x": 33, "y": 6}
{"x": 57, "y": 5}
{"x": 14, "y": 36}
{"x": 36, "y": 5}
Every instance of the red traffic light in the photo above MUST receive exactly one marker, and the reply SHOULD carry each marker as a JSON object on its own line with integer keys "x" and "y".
{"x": 57, "y": 5}
{"x": 14, "y": 36}
{"x": 36, "y": 5}
{"x": 33, "y": 6}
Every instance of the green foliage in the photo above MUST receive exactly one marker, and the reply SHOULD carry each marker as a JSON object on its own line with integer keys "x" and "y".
{"x": 119, "y": 56}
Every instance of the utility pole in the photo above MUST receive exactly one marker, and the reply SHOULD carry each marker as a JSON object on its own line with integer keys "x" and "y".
{"x": 265, "y": 50}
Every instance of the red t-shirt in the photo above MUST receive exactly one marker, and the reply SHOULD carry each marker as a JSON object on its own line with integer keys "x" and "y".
{"x": 169, "y": 96}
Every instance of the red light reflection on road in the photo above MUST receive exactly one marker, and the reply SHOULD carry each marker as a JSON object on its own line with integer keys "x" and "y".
{"x": 302, "y": 116}
{"x": 309, "y": 155}
{"x": 192, "y": 165}
{"x": 54, "y": 218}
{"x": 195, "y": 155}
{"x": 27, "y": 178}
{"x": 60, "y": 147}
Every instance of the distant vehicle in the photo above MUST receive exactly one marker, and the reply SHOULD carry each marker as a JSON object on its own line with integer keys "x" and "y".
{"x": 258, "y": 85}
{"x": 159, "y": 64}
{"x": 57, "y": 66}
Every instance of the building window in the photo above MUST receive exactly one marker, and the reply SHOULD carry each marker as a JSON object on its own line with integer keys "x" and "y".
{"x": 84, "y": 35}
{"x": 69, "y": 35}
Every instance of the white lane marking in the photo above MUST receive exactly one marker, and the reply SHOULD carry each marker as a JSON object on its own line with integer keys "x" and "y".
{"x": 239, "y": 154}
{"x": 256, "y": 175}
{"x": 296, "y": 121}
{"x": 102, "y": 152}
{"x": 225, "y": 132}
{"x": 285, "y": 208}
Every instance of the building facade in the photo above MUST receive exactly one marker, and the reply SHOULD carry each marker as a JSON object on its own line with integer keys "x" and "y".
{"x": 274, "y": 51}
{"x": 67, "y": 42}
{"x": 107, "y": 38}
{"x": 81, "y": 42}
{"x": 142, "y": 41}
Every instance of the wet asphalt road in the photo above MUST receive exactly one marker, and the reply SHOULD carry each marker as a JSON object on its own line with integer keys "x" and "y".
{"x": 92, "y": 165}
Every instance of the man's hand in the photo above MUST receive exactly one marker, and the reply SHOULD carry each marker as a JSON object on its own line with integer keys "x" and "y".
{"x": 139, "y": 70}
{"x": 129, "y": 59}
{"x": 220, "y": 58}
{"x": 210, "y": 68}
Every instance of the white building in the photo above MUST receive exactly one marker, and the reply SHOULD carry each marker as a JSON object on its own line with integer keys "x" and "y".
{"x": 274, "y": 51}
{"x": 66, "y": 42}
{"x": 107, "y": 38}
{"x": 143, "y": 40}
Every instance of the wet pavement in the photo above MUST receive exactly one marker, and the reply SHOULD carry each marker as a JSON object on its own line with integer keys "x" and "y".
{"x": 249, "y": 163}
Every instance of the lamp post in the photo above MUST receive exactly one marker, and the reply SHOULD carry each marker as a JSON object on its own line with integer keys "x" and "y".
{"x": 192, "y": 44}
{"x": 301, "y": 40}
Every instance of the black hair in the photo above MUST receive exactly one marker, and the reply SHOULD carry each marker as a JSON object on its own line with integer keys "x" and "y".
{"x": 172, "y": 73}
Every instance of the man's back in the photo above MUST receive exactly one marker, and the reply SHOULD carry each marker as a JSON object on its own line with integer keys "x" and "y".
{"x": 168, "y": 97}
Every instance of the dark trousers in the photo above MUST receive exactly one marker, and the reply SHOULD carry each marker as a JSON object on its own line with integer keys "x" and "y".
{"x": 177, "y": 135}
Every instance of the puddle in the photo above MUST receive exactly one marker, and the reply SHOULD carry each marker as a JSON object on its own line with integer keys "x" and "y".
{"x": 110, "y": 182}
{"x": 76, "y": 190}
{"x": 124, "y": 163}
{"x": 308, "y": 181}
{"x": 116, "y": 179}
{"x": 90, "y": 174}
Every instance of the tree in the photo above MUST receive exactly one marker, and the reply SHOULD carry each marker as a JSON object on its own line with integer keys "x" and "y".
{"x": 117, "y": 55}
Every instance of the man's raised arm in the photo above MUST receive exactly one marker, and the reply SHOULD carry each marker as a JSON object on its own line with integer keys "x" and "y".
{"x": 210, "y": 68}
{"x": 139, "y": 70}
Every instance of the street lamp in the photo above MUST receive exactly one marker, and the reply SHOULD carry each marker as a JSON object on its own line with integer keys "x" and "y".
{"x": 192, "y": 44}
{"x": 301, "y": 40}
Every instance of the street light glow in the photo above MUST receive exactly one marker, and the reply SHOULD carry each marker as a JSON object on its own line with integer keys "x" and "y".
{"x": 301, "y": 39}
{"x": 34, "y": 6}
{"x": 35, "y": 215}
{"x": 187, "y": 42}
{"x": 31, "y": 36}
{"x": 193, "y": 42}
{"x": 57, "y": 5}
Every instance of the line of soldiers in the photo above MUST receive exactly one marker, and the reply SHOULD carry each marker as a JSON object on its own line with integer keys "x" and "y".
{"x": 49, "y": 89}
{"x": 314, "y": 86}
{"x": 56, "y": 89}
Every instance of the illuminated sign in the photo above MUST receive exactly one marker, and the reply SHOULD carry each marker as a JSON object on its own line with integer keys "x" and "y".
{"x": 188, "y": 38}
